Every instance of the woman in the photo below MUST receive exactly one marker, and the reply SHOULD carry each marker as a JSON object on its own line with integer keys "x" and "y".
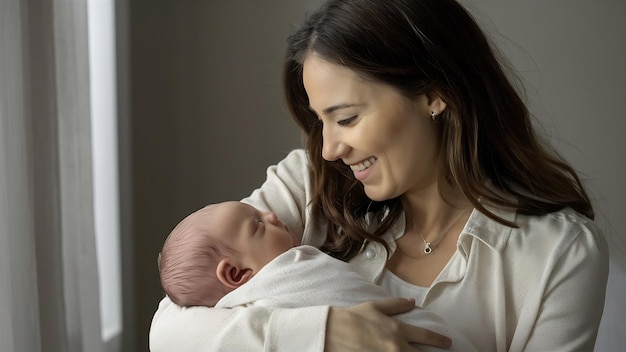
{"x": 422, "y": 170}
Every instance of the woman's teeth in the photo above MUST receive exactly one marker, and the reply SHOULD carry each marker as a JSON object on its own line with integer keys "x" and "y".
{"x": 363, "y": 165}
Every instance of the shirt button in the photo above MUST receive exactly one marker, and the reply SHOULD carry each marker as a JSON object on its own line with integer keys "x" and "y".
{"x": 370, "y": 254}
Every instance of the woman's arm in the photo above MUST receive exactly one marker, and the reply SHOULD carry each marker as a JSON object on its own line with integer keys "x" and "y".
{"x": 365, "y": 327}
{"x": 205, "y": 329}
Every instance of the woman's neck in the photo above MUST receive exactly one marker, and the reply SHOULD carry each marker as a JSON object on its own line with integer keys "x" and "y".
{"x": 430, "y": 211}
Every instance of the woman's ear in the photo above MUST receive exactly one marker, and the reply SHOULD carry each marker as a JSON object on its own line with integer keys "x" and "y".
{"x": 232, "y": 275}
{"x": 435, "y": 103}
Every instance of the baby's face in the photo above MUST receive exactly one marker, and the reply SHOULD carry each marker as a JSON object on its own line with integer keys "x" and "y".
{"x": 258, "y": 236}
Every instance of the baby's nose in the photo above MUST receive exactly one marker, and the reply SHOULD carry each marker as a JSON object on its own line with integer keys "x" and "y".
{"x": 272, "y": 218}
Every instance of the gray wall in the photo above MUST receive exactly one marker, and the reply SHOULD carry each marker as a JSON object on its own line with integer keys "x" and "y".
{"x": 203, "y": 113}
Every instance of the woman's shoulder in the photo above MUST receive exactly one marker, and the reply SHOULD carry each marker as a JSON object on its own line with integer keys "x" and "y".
{"x": 296, "y": 158}
{"x": 547, "y": 232}
{"x": 292, "y": 169}
{"x": 541, "y": 244}
{"x": 558, "y": 232}
{"x": 285, "y": 181}
{"x": 564, "y": 223}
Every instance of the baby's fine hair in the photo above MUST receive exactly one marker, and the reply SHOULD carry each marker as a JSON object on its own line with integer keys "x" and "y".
{"x": 188, "y": 261}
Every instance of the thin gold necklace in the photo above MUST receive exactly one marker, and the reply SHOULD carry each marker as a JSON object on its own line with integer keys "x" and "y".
{"x": 430, "y": 246}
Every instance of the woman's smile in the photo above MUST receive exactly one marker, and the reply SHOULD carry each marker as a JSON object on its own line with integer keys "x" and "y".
{"x": 363, "y": 168}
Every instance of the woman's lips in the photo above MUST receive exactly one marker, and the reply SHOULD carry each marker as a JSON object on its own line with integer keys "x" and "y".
{"x": 362, "y": 170}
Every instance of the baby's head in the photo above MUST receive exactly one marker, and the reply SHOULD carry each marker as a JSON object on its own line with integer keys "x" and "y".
{"x": 217, "y": 249}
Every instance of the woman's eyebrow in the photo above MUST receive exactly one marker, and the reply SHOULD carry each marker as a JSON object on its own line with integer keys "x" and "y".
{"x": 331, "y": 109}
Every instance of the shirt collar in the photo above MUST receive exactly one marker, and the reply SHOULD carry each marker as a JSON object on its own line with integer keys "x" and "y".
{"x": 489, "y": 231}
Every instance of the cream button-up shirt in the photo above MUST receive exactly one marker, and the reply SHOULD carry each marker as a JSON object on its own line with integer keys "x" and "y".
{"x": 539, "y": 287}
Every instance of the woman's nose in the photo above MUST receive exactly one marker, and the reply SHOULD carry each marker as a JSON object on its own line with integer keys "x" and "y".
{"x": 332, "y": 146}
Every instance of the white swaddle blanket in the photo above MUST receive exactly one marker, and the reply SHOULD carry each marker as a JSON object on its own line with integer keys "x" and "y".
{"x": 304, "y": 276}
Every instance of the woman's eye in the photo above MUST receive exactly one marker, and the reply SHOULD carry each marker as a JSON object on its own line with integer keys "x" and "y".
{"x": 346, "y": 122}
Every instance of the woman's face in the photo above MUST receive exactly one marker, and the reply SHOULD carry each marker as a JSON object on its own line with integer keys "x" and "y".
{"x": 387, "y": 139}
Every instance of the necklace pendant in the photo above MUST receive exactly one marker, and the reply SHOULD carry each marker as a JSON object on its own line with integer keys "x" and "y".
{"x": 427, "y": 248}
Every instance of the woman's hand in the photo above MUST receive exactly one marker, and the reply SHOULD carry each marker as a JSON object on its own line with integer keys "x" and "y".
{"x": 369, "y": 327}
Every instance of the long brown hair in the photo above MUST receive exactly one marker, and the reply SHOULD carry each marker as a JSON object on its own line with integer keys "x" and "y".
{"x": 489, "y": 148}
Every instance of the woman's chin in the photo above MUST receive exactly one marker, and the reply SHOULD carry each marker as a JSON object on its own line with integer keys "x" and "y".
{"x": 375, "y": 194}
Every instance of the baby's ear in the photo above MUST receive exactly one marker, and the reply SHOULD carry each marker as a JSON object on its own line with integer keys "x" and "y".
{"x": 232, "y": 275}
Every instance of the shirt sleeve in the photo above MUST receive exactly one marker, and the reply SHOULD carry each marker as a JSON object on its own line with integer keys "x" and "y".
{"x": 573, "y": 299}
{"x": 200, "y": 329}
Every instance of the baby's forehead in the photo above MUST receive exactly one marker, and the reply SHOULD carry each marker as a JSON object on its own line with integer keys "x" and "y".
{"x": 225, "y": 217}
{"x": 232, "y": 208}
